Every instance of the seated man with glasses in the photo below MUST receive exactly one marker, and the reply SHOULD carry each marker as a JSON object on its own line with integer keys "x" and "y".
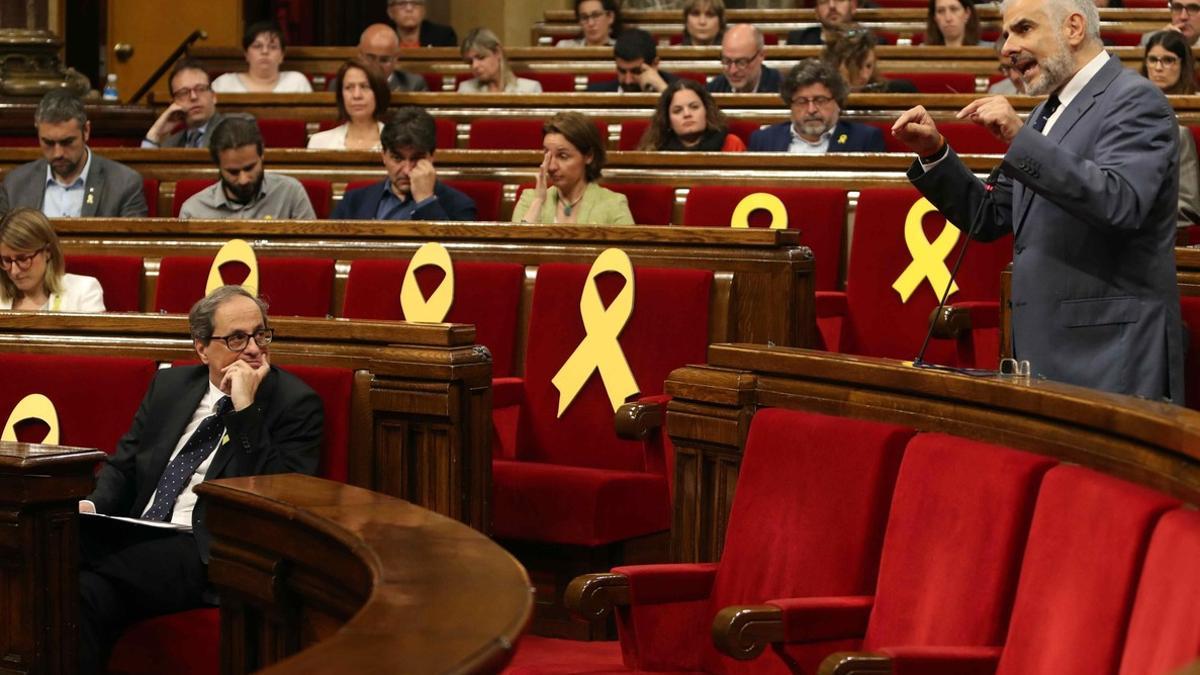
{"x": 71, "y": 181}
{"x": 188, "y": 122}
{"x": 636, "y": 57}
{"x": 1185, "y": 18}
{"x": 411, "y": 190}
{"x": 232, "y": 415}
{"x": 835, "y": 16}
{"x": 1012, "y": 84}
{"x": 742, "y": 54}
{"x": 414, "y": 30}
{"x": 379, "y": 48}
{"x": 816, "y": 93}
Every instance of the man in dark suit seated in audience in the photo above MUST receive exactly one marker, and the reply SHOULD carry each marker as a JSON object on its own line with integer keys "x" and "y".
{"x": 414, "y": 30}
{"x": 742, "y": 53}
{"x": 379, "y": 48}
{"x": 636, "y": 57}
{"x": 412, "y": 190}
{"x": 194, "y": 107}
{"x": 233, "y": 415}
{"x": 71, "y": 181}
{"x": 816, "y": 93}
{"x": 834, "y": 15}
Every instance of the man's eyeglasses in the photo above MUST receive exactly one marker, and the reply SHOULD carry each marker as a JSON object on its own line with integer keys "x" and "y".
{"x": 23, "y": 262}
{"x": 1191, "y": 8}
{"x": 407, "y": 4}
{"x": 740, "y": 64}
{"x": 594, "y": 16}
{"x": 1164, "y": 61}
{"x": 237, "y": 342}
{"x": 819, "y": 101}
{"x": 184, "y": 93}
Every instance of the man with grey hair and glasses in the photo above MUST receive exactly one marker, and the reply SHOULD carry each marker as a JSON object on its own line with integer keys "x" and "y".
{"x": 414, "y": 30}
{"x": 71, "y": 181}
{"x": 742, "y": 54}
{"x": 1089, "y": 190}
{"x": 232, "y": 415}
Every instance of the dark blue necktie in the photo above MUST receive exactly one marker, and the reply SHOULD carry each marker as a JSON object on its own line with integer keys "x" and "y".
{"x": 179, "y": 472}
{"x": 1052, "y": 104}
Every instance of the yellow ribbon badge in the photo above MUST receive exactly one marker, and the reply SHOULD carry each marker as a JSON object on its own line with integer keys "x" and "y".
{"x": 416, "y": 307}
{"x": 928, "y": 259}
{"x": 760, "y": 200}
{"x": 234, "y": 250}
{"x": 600, "y": 348}
{"x": 33, "y": 406}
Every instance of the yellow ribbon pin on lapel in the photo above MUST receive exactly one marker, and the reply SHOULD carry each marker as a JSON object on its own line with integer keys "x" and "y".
{"x": 33, "y": 406}
{"x": 928, "y": 259}
{"x": 234, "y": 250}
{"x": 600, "y": 349}
{"x": 416, "y": 307}
{"x": 760, "y": 200}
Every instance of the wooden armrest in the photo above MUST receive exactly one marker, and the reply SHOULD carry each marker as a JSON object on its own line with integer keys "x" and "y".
{"x": 594, "y": 595}
{"x": 638, "y": 420}
{"x": 743, "y": 631}
{"x": 854, "y": 663}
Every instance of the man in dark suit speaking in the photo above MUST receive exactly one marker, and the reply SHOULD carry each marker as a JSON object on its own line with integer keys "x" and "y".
{"x": 71, "y": 181}
{"x": 1089, "y": 188}
{"x": 234, "y": 415}
{"x": 816, "y": 94}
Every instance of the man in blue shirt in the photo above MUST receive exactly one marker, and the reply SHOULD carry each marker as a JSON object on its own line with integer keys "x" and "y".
{"x": 412, "y": 190}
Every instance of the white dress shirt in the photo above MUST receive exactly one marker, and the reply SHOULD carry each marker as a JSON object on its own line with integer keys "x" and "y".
{"x": 186, "y": 502}
{"x": 61, "y": 200}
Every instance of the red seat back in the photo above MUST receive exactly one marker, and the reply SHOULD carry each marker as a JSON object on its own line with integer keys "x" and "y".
{"x": 1077, "y": 582}
{"x": 819, "y": 214}
{"x": 120, "y": 276}
{"x": 74, "y": 384}
{"x": 1121, "y": 38}
{"x": 650, "y": 204}
{"x": 334, "y": 386}
{"x": 964, "y": 137}
{"x": 184, "y": 189}
{"x": 447, "y": 133}
{"x": 485, "y": 294}
{"x": 938, "y": 83}
{"x": 320, "y": 193}
{"x": 959, "y": 520}
{"x": 283, "y": 133}
{"x": 487, "y": 195}
{"x": 505, "y": 134}
{"x": 879, "y": 322}
{"x": 150, "y": 192}
{"x": 552, "y": 81}
{"x": 667, "y": 329}
{"x": 291, "y": 286}
{"x": 631, "y": 133}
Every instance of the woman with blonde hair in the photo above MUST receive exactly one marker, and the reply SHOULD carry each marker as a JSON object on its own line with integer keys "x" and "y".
{"x": 482, "y": 51}
{"x": 34, "y": 276}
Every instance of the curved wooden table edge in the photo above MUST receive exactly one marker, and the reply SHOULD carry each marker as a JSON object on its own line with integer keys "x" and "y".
{"x": 356, "y": 509}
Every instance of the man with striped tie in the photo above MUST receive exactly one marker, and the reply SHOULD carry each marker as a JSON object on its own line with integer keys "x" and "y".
{"x": 190, "y": 119}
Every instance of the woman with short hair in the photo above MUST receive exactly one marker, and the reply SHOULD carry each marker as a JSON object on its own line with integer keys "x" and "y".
{"x": 35, "y": 277}
{"x": 264, "y": 46}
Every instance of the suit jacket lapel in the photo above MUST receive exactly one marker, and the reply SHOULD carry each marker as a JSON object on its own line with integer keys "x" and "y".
{"x": 93, "y": 188}
{"x": 175, "y": 423}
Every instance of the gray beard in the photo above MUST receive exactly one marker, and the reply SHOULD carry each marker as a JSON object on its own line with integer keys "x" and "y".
{"x": 1055, "y": 71}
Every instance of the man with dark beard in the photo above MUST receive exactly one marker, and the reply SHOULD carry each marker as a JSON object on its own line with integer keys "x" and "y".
{"x": 245, "y": 191}
{"x": 816, "y": 93}
{"x": 1089, "y": 188}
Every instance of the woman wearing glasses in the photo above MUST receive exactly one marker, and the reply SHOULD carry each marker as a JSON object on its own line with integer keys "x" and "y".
{"x": 264, "y": 47}
{"x": 1170, "y": 66}
{"x": 600, "y": 21}
{"x": 687, "y": 118}
{"x": 34, "y": 277}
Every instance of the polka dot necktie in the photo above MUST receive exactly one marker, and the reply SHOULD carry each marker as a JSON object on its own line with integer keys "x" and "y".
{"x": 179, "y": 472}
{"x": 1052, "y": 104}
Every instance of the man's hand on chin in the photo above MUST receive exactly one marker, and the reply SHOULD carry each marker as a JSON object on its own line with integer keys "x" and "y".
{"x": 240, "y": 380}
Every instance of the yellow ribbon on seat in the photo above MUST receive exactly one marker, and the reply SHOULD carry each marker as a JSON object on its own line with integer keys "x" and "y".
{"x": 760, "y": 200}
{"x": 234, "y": 250}
{"x": 33, "y": 406}
{"x": 928, "y": 259}
{"x": 412, "y": 301}
{"x": 600, "y": 349}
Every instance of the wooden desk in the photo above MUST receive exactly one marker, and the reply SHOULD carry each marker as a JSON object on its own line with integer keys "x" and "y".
{"x": 40, "y": 489}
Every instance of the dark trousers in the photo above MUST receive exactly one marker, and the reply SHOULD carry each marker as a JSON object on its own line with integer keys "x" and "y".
{"x": 130, "y": 572}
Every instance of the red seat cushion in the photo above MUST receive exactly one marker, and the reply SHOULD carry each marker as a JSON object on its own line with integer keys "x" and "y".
{"x": 150, "y": 192}
{"x": 278, "y": 133}
{"x": 320, "y": 193}
{"x": 486, "y": 294}
{"x": 591, "y": 507}
{"x": 505, "y": 134}
{"x": 819, "y": 214}
{"x": 291, "y": 286}
{"x": 186, "y": 188}
{"x": 72, "y": 383}
{"x": 631, "y": 133}
{"x": 184, "y": 643}
{"x": 486, "y": 193}
{"x": 334, "y": 386}
{"x": 447, "y": 133}
{"x": 120, "y": 276}
{"x": 650, "y": 204}
{"x": 938, "y": 83}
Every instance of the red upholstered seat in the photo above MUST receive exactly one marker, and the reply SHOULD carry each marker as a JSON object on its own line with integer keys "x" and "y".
{"x": 1164, "y": 631}
{"x": 486, "y": 294}
{"x": 964, "y": 137}
{"x": 1121, "y": 38}
{"x": 631, "y": 133}
{"x": 320, "y": 193}
{"x": 551, "y": 81}
{"x": 184, "y": 643}
{"x": 447, "y": 133}
{"x": 292, "y": 286}
{"x": 819, "y": 214}
{"x": 283, "y": 133}
{"x": 807, "y": 520}
{"x": 72, "y": 384}
{"x": 150, "y": 192}
{"x": 119, "y": 275}
{"x": 650, "y": 204}
{"x": 486, "y": 193}
{"x": 513, "y": 134}
{"x": 668, "y": 328}
{"x": 1190, "y": 307}
{"x": 334, "y": 386}
{"x": 938, "y": 83}
{"x": 743, "y": 129}
{"x": 870, "y": 318}
{"x": 433, "y": 81}
{"x": 186, "y": 188}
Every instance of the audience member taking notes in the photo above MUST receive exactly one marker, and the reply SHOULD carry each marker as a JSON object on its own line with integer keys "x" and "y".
{"x": 35, "y": 277}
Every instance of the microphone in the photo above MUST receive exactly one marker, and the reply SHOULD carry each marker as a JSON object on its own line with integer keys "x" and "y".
{"x": 989, "y": 184}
